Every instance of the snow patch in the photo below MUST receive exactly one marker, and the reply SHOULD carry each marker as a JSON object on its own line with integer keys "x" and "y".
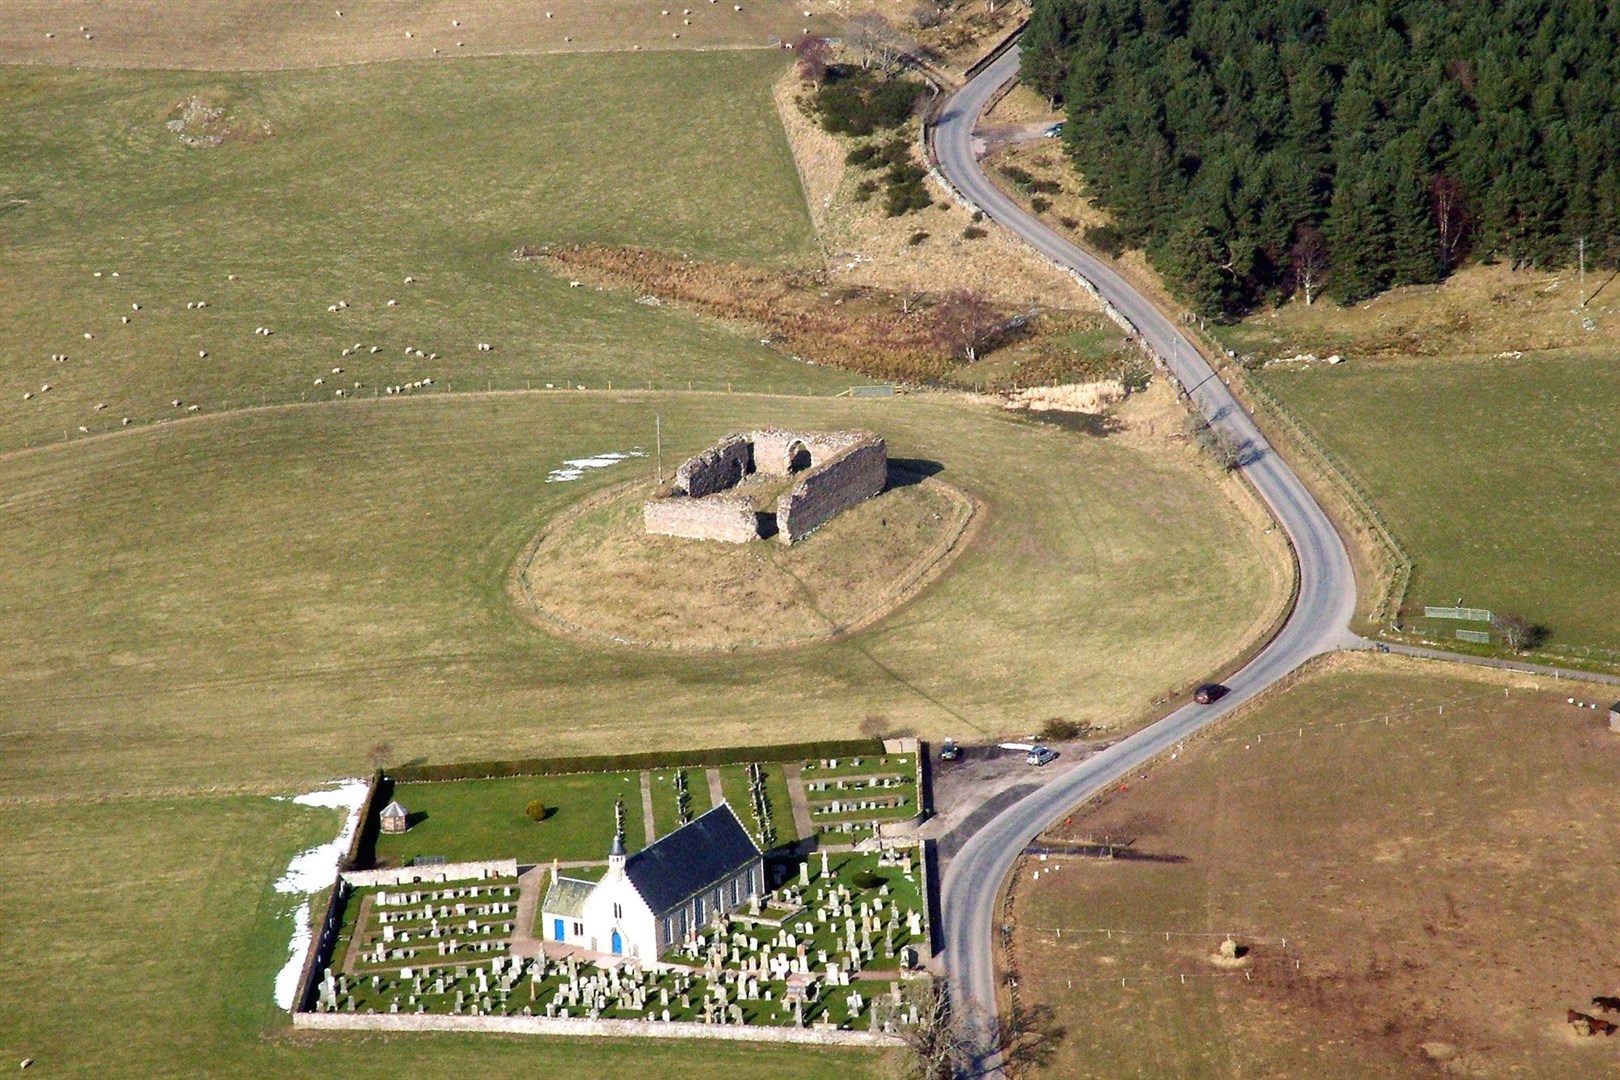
{"x": 574, "y": 468}
{"x": 315, "y": 869}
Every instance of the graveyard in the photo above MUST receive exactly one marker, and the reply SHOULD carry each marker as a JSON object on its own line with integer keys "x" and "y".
{"x": 447, "y": 901}
{"x": 827, "y": 948}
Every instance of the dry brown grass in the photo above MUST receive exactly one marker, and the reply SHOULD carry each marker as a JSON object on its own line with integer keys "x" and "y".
{"x": 864, "y": 246}
{"x": 1478, "y": 311}
{"x": 815, "y": 316}
{"x": 1405, "y": 878}
{"x": 274, "y": 34}
{"x": 595, "y": 571}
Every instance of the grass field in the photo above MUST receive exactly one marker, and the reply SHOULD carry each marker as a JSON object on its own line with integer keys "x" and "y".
{"x": 484, "y": 819}
{"x": 260, "y": 34}
{"x": 372, "y": 174}
{"x": 145, "y": 939}
{"x": 1419, "y": 889}
{"x": 257, "y": 599}
{"x": 1512, "y": 507}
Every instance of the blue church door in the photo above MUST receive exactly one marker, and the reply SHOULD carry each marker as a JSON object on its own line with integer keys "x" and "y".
{"x": 557, "y": 933}
{"x": 618, "y": 943}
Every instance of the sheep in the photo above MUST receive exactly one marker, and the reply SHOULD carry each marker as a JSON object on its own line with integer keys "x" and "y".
{"x": 175, "y": 403}
{"x": 96, "y": 274}
{"x": 807, "y": 14}
{"x": 427, "y": 382}
{"x": 339, "y": 392}
{"x": 433, "y": 356}
{"x": 337, "y": 371}
{"x": 417, "y": 353}
{"x": 675, "y": 35}
{"x": 100, "y": 405}
{"x": 45, "y": 388}
{"x": 346, "y": 352}
{"x": 455, "y": 22}
{"x": 124, "y": 318}
{"x": 230, "y": 277}
{"x": 320, "y": 382}
{"x": 192, "y": 408}
{"x": 376, "y": 348}
{"x": 201, "y": 304}
{"x": 664, "y": 12}
{"x": 190, "y": 305}
{"x": 409, "y": 34}
{"x": 342, "y": 304}
{"x": 548, "y": 14}
{"x": 567, "y": 38}
{"x": 83, "y": 430}
{"x": 484, "y": 346}
{"x": 135, "y": 307}
{"x": 357, "y": 346}
{"x": 48, "y": 34}
{"x": 575, "y": 284}
{"x": 736, "y": 7}
{"x": 115, "y": 273}
{"x": 393, "y": 303}
{"x": 686, "y": 22}
{"x": 28, "y": 395}
{"x": 88, "y": 336}
{"x": 410, "y": 281}
{"x": 125, "y": 422}
{"x": 331, "y": 307}
{"x": 461, "y": 44}
{"x": 202, "y": 354}
{"x": 358, "y": 384}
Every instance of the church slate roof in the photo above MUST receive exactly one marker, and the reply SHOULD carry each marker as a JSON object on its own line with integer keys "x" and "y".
{"x": 699, "y": 855}
{"x": 567, "y": 897}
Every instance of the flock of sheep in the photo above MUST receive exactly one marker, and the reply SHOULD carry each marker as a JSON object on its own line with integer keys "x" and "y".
{"x": 355, "y": 350}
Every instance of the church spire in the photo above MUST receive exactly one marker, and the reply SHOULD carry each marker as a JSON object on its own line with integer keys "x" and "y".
{"x": 616, "y": 855}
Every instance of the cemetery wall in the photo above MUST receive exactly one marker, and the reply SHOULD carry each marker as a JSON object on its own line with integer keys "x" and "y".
{"x": 730, "y": 518}
{"x": 365, "y": 835}
{"x": 619, "y": 1029}
{"x": 721, "y": 466}
{"x": 322, "y": 941}
{"x": 407, "y": 875}
{"x": 829, "y": 489}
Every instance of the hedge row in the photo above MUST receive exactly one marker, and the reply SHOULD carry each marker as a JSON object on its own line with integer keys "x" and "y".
{"x": 649, "y": 759}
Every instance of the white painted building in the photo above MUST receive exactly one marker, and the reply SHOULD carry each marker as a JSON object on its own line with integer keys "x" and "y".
{"x": 652, "y": 901}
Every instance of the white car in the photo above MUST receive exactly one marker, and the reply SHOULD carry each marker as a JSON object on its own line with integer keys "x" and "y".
{"x": 1040, "y": 755}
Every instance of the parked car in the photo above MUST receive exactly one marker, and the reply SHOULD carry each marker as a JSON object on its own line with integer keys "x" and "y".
{"x": 1208, "y": 692}
{"x": 949, "y": 751}
{"x": 1040, "y": 755}
{"x": 1054, "y": 131}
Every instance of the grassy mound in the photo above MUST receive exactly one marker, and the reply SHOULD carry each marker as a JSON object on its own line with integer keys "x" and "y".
{"x": 598, "y": 572}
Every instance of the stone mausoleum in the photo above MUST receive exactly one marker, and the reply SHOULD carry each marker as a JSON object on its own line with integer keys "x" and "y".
{"x": 725, "y": 492}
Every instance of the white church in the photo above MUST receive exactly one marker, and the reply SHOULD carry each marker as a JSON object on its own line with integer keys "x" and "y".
{"x": 651, "y": 902}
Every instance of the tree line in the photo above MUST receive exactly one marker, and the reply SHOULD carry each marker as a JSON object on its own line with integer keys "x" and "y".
{"x": 1259, "y": 149}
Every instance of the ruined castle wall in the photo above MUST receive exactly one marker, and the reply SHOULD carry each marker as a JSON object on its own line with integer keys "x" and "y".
{"x": 730, "y": 518}
{"x": 719, "y": 467}
{"x": 772, "y": 447}
{"x": 828, "y": 489}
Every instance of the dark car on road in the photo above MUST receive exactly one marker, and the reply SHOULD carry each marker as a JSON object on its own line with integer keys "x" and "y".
{"x": 1209, "y": 692}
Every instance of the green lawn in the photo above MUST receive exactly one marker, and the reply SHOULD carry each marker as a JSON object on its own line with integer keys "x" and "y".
{"x": 734, "y": 781}
{"x": 259, "y": 599}
{"x": 666, "y": 811}
{"x": 375, "y": 173}
{"x": 484, "y": 819}
{"x": 1499, "y": 476}
{"x": 149, "y": 938}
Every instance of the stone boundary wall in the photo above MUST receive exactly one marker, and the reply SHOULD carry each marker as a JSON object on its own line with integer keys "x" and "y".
{"x": 828, "y": 490}
{"x": 773, "y": 447}
{"x": 619, "y": 1029}
{"x": 729, "y": 518}
{"x": 322, "y": 940}
{"x": 721, "y": 466}
{"x": 408, "y": 875}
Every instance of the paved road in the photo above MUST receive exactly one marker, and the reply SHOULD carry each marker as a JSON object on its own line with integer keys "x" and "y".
{"x": 1319, "y": 623}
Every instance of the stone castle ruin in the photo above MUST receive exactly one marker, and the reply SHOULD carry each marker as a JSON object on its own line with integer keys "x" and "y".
{"x": 724, "y": 492}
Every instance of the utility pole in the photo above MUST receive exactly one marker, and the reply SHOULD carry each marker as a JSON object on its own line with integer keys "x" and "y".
{"x": 658, "y": 436}
{"x": 1581, "y": 248}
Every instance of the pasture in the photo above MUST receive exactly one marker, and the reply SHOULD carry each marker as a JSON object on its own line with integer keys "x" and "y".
{"x": 257, "y": 599}
{"x": 334, "y": 186}
{"x": 268, "y": 34}
{"x": 1512, "y": 507}
{"x": 1417, "y": 858}
{"x": 148, "y": 937}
